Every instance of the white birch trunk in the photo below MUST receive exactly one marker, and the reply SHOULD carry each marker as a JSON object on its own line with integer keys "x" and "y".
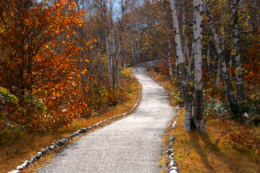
{"x": 216, "y": 40}
{"x": 181, "y": 67}
{"x": 239, "y": 73}
{"x": 185, "y": 46}
{"x": 198, "y": 95}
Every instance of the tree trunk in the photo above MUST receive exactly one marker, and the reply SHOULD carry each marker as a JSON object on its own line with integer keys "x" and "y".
{"x": 230, "y": 65}
{"x": 239, "y": 73}
{"x": 110, "y": 72}
{"x": 137, "y": 47}
{"x": 169, "y": 55}
{"x": 218, "y": 73}
{"x": 215, "y": 39}
{"x": 208, "y": 57}
{"x": 99, "y": 60}
{"x": 119, "y": 55}
{"x": 132, "y": 46}
{"x": 198, "y": 95}
{"x": 185, "y": 46}
{"x": 182, "y": 71}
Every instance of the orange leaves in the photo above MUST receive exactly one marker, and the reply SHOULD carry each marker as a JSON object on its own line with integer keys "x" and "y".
{"x": 46, "y": 69}
{"x": 84, "y": 71}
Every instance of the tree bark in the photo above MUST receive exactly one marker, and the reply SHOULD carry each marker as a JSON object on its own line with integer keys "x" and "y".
{"x": 230, "y": 64}
{"x": 185, "y": 46}
{"x": 110, "y": 72}
{"x": 169, "y": 55}
{"x": 208, "y": 57}
{"x": 198, "y": 95}
{"x": 132, "y": 45}
{"x": 182, "y": 71}
{"x": 218, "y": 73}
{"x": 239, "y": 73}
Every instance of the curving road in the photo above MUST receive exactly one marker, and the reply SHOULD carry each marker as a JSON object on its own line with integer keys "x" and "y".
{"x": 129, "y": 145}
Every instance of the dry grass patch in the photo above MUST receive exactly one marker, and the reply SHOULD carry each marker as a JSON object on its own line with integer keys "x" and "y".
{"x": 29, "y": 144}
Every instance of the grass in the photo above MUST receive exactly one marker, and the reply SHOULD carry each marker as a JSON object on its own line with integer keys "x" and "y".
{"x": 29, "y": 144}
{"x": 227, "y": 145}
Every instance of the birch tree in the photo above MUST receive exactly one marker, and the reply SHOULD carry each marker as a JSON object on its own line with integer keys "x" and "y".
{"x": 239, "y": 73}
{"x": 198, "y": 95}
{"x": 181, "y": 66}
{"x": 225, "y": 77}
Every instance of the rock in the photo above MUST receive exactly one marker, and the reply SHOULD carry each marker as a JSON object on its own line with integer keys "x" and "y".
{"x": 52, "y": 147}
{"x": 172, "y": 164}
{"x": 37, "y": 157}
{"x": 47, "y": 148}
{"x": 171, "y": 157}
{"x": 31, "y": 160}
{"x": 60, "y": 143}
{"x": 20, "y": 167}
{"x": 14, "y": 171}
{"x": 66, "y": 139}
{"x": 170, "y": 151}
{"x": 43, "y": 152}
{"x": 40, "y": 153}
{"x": 83, "y": 130}
{"x": 172, "y": 139}
{"x": 173, "y": 170}
{"x": 25, "y": 164}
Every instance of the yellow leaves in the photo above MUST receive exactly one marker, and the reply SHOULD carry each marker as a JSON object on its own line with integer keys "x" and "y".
{"x": 86, "y": 60}
{"x": 84, "y": 71}
{"x": 47, "y": 46}
{"x": 234, "y": 51}
{"x": 74, "y": 32}
{"x": 63, "y": 41}
{"x": 68, "y": 36}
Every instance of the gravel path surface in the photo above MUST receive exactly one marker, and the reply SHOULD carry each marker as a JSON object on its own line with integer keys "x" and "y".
{"x": 132, "y": 144}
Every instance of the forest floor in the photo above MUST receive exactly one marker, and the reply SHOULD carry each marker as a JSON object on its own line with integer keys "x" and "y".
{"x": 13, "y": 153}
{"x": 227, "y": 146}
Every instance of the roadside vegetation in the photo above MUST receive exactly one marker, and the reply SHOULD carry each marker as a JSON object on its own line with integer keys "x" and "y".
{"x": 229, "y": 145}
{"x": 21, "y": 144}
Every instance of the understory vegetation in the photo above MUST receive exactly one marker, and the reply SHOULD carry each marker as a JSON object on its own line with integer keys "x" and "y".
{"x": 230, "y": 144}
{"x": 19, "y": 144}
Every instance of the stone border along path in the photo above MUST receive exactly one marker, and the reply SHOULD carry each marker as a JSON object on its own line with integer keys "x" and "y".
{"x": 172, "y": 167}
{"x": 131, "y": 144}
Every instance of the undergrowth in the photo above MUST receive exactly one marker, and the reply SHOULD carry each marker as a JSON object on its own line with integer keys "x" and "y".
{"x": 231, "y": 142}
{"x": 18, "y": 145}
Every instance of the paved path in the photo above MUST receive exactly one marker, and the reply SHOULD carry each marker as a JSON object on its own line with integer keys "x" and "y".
{"x": 129, "y": 145}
